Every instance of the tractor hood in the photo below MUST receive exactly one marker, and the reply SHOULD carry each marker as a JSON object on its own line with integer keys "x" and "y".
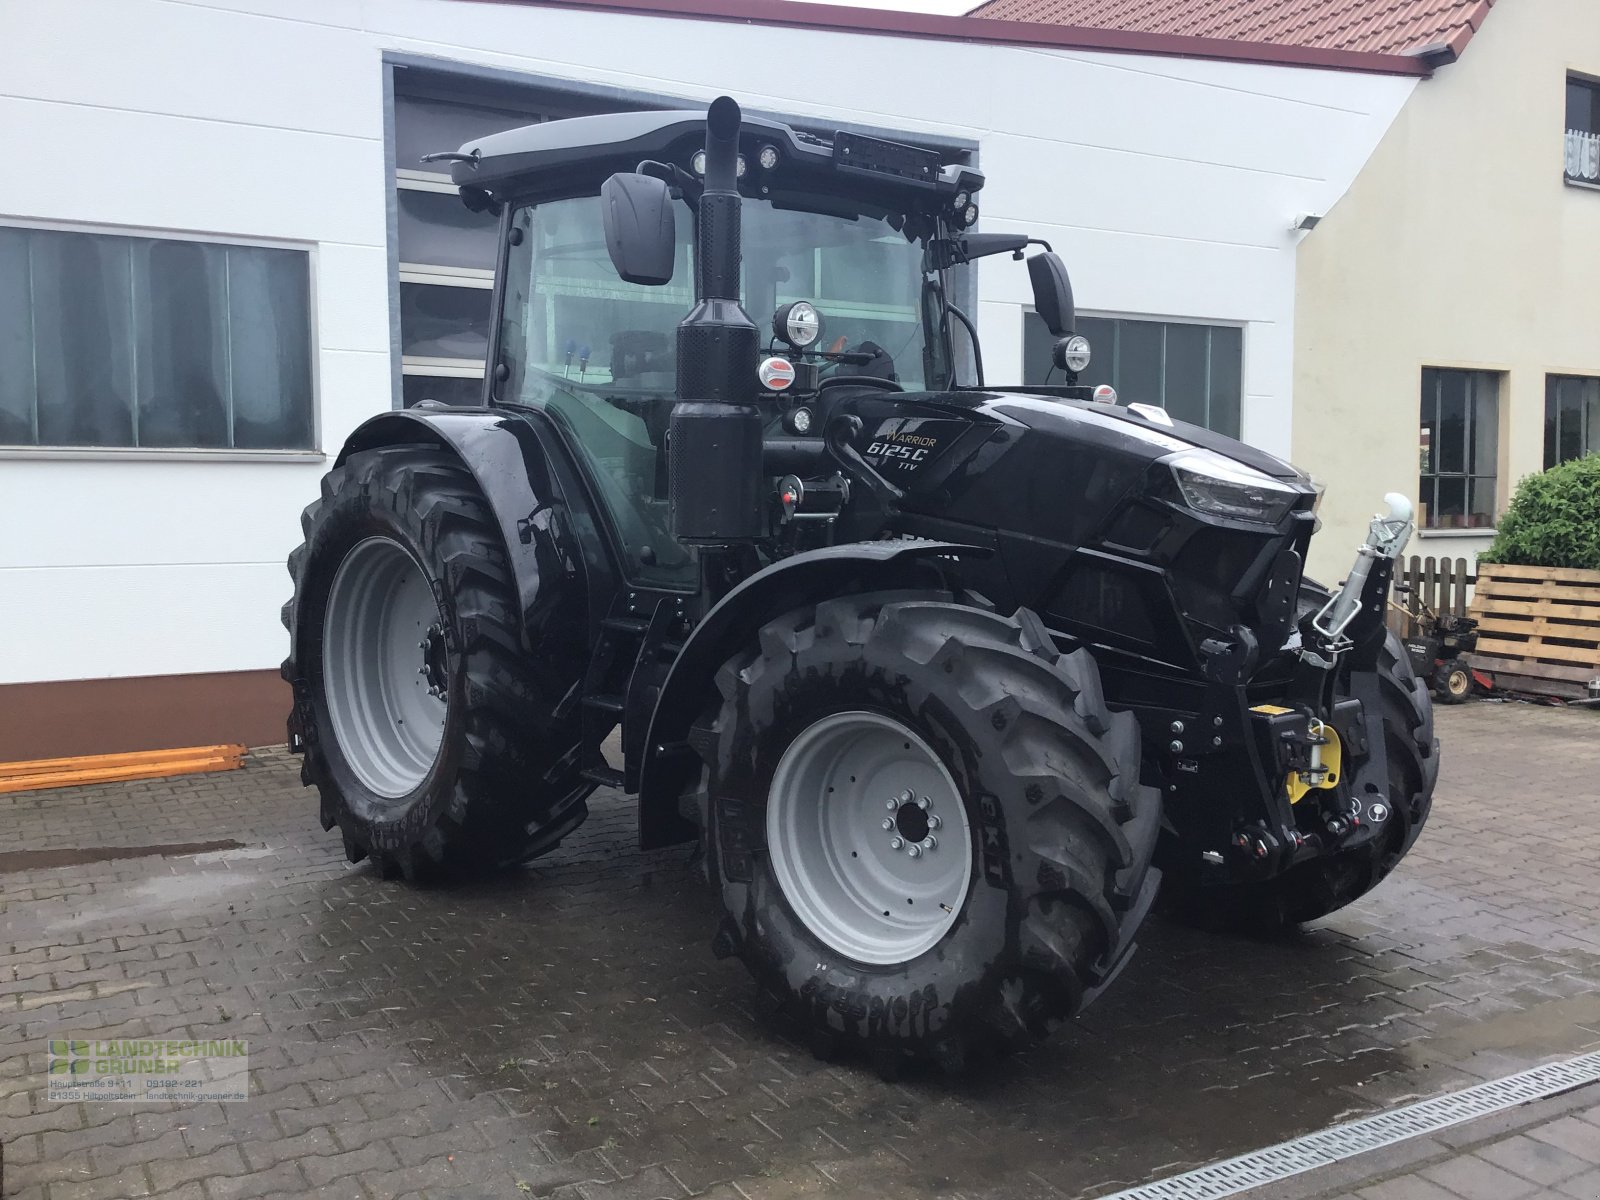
{"x": 1051, "y": 465}
{"x": 1124, "y": 428}
{"x": 1107, "y": 523}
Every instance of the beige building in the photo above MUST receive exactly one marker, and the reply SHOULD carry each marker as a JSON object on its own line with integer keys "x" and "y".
{"x": 1448, "y": 307}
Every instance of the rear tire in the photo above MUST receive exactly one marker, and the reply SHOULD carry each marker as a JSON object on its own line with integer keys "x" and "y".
{"x": 1045, "y": 834}
{"x": 422, "y": 723}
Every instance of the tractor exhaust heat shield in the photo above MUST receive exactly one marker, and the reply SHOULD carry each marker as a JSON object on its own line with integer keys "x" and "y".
{"x": 714, "y": 468}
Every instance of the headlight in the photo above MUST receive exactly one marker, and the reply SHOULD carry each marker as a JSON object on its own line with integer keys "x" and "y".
{"x": 797, "y": 323}
{"x": 1213, "y": 484}
{"x": 1074, "y": 354}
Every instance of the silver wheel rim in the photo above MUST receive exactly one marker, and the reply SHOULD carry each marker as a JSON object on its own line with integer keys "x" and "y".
{"x": 848, "y": 794}
{"x": 385, "y": 667}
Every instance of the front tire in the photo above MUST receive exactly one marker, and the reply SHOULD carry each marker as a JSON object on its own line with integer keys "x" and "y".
{"x": 1452, "y": 681}
{"x": 1034, "y": 830}
{"x": 427, "y": 732}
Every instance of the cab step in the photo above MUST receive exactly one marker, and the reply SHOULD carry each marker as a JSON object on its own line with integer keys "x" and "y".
{"x": 604, "y": 776}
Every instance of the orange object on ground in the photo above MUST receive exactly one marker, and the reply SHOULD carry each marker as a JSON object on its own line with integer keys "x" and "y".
{"x": 114, "y": 768}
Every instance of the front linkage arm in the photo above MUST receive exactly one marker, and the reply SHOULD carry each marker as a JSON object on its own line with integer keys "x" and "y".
{"x": 1355, "y": 614}
{"x": 1347, "y": 634}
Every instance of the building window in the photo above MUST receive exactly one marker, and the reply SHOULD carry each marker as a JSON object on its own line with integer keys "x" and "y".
{"x": 1460, "y": 448}
{"x": 113, "y": 341}
{"x": 1195, "y": 372}
{"x": 1571, "y": 417}
{"x": 1581, "y": 161}
{"x": 446, "y": 252}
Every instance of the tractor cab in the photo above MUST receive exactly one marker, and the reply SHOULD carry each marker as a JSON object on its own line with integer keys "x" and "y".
{"x": 843, "y": 260}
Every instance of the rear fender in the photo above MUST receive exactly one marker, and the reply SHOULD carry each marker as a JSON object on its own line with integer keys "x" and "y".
{"x": 670, "y": 766}
{"x": 507, "y": 457}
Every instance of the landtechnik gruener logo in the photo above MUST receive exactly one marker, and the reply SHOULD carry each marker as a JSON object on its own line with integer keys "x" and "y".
{"x": 182, "y": 1069}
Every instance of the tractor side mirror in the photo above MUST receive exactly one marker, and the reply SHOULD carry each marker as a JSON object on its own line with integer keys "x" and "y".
{"x": 1052, "y": 293}
{"x": 641, "y": 227}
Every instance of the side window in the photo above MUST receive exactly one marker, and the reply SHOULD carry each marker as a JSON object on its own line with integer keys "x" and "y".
{"x": 597, "y": 355}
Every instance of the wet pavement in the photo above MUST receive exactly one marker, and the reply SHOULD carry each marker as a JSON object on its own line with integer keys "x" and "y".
{"x": 566, "y": 1032}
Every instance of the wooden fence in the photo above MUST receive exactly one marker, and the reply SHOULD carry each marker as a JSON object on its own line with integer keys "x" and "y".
{"x": 1444, "y": 584}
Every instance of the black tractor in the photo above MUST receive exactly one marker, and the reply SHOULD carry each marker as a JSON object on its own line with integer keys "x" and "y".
{"x": 941, "y": 676}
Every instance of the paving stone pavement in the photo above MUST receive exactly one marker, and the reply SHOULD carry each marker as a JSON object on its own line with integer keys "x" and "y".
{"x": 565, "y": 1032}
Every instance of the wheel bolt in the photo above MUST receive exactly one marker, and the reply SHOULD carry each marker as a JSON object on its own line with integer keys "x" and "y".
{"x": 933, "y": 821}
{"x": 924, "y": 804}
{"x": 930, "y": 843}
{"x": 888, "y": 824}
{"x": 914, "y": 850}
{"x": 895, "y": 843}
{"x": 890, "y": 805}
{"x": 907, "y": 796}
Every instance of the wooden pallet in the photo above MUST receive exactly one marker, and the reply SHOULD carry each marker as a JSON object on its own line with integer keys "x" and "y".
{"x": 114, "y": 768}
{"x": 1539, "y": 628}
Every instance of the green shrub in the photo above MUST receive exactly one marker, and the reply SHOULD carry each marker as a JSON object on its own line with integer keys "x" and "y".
{"x": 1554, "y": 519}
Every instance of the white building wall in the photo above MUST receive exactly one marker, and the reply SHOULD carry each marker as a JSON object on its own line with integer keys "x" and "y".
{"x": 1168, "y": 185}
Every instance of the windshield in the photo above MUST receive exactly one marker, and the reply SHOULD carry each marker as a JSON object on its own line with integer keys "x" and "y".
{"x": 568, "y": 314}
{"x": 600, "y": 354}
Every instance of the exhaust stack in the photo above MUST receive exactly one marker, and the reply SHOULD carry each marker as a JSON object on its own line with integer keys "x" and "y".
{"x": 714, "y": 464}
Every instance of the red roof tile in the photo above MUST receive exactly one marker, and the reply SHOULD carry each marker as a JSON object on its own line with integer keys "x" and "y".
{"x": 1375, "y": 26}
{"x": 850, "y": 18}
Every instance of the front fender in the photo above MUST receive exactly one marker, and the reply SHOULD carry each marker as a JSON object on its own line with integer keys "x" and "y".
{"x": 669, "y": 764}
{"x": 544, "y": 538}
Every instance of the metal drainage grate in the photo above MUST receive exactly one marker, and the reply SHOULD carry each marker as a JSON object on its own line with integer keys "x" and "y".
{"x": 1370, "y": 1133}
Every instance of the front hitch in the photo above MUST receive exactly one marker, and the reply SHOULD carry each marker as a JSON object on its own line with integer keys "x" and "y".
{"x": 1327, "y": 757}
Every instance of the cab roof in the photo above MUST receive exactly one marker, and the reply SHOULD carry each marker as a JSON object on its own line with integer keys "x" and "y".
{"x": 572, "y": 157}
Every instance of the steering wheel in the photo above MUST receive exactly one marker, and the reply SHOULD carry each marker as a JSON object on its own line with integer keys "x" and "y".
{"x": 873, "y": 382}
